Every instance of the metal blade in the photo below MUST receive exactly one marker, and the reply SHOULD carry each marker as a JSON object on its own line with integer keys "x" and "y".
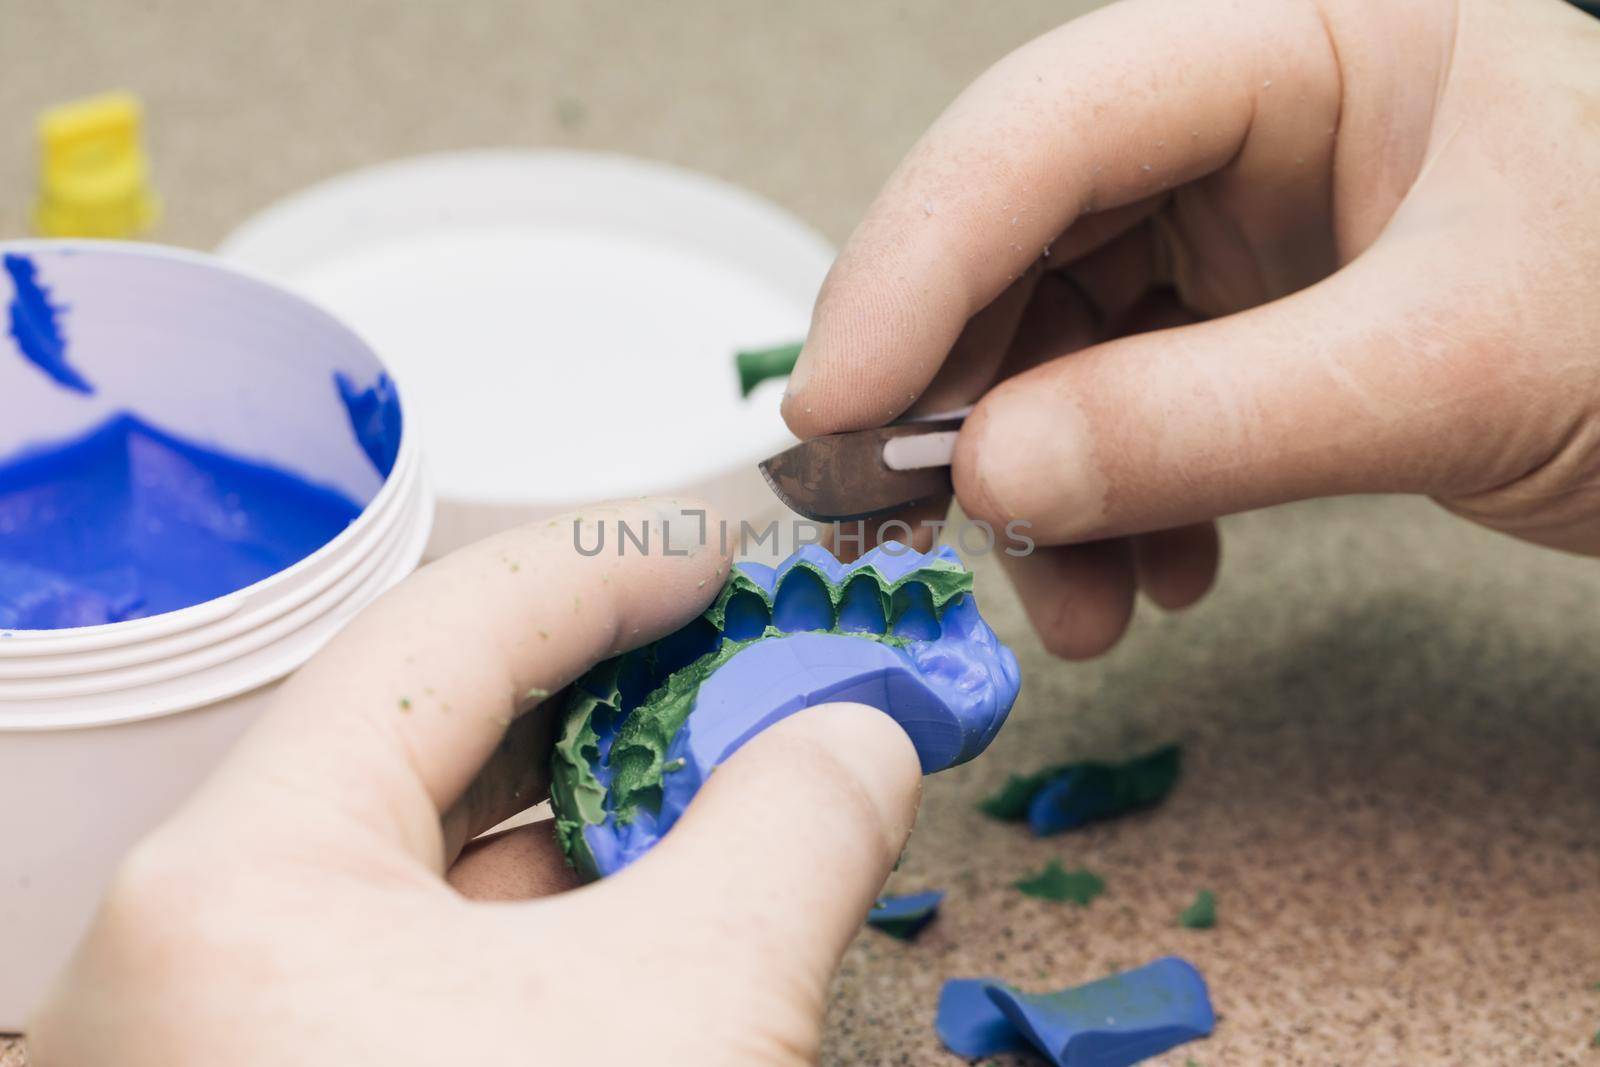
{"x": 842, "y": 477}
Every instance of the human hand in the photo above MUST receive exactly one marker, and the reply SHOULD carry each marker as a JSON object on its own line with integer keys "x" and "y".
{"x": 296, "y": 910}
{"x": 1205, "y": 257}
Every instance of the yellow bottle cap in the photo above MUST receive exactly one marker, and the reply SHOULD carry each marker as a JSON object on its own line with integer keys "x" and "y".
{"x": 94, "y": 177}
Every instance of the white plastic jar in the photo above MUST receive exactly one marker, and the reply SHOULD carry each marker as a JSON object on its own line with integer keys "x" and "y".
{"x": 105, "y": 729}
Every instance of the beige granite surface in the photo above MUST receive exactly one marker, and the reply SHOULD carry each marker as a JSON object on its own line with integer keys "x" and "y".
{"x": 1391, "y": 720}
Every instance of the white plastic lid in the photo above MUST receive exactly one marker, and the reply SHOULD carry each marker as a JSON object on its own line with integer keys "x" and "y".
{"x": 563, "y": 325}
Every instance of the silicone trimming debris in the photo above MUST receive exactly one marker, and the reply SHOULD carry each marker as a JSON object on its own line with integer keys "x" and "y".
{"x": 760, "y": 364}
{"x": 1202, "y": 914}
{"x": 1075, "y": 794}
{"x": 1054, "y": 883}
{"x": 905, "y": 916}
{"x": 1113, "y": 1022}
{"x": 897, "y": 629}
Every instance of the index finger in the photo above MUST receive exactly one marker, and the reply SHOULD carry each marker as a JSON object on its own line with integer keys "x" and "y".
{"x": 391, "y": 721}
{"x": 1100, "y": 114}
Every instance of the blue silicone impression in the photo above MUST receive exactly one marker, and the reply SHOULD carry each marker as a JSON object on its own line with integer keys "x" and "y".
{"x": 944, "y": 677}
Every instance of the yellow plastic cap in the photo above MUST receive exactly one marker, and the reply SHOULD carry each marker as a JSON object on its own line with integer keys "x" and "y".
{"x": 94, "y": 176}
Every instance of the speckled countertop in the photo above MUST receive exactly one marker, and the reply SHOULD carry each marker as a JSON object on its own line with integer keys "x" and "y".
{"x": 1391, "y": 720}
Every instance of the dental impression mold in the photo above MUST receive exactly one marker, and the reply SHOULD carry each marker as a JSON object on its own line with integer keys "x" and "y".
{"x": 897, "y": 629}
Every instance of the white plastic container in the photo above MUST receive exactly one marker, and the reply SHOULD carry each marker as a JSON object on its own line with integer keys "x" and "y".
{"x": 104, "y": 729}
{"x": 541, "y": 297}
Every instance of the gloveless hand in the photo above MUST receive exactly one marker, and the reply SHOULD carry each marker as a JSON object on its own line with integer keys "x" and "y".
{"x": 297, "y": 910}
{"x": 1197, "y": 258}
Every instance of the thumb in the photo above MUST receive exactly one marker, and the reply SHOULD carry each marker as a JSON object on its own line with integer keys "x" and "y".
{"x": 1370, "y": 381}
{"x": 785, "y": 847}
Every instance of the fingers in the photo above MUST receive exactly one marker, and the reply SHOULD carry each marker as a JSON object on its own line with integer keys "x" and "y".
{"x": 516, "y": 776}
{"x": 1078, "y": 303}
{"x": 974, "y": 362}
{"x": 392, "y": 721}
{"x": 977, "y": 354}
{"x": 517, "y": 864}
{"x": 1095, "y": 229}
{"x": 1177, "y": 567}
{"x": 1110, "y": 110}
{"x": 787, "y": 845}
{"x": 1365, "y": 382}
{"x": 917, "y": 526}
{"x": 1079, "y": 598}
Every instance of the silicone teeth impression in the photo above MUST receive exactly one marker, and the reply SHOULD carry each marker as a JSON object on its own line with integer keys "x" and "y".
{"x": 897, "y": 630}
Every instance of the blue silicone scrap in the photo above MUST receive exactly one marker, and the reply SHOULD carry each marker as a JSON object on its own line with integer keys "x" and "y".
{"x": 970, "y": 1024}
{"x": 36, "y": 325}
{"x": 1112, "y": 1022}
{"x": 1083, "y": 793}
{"x": 1060, "y": 805}
{"x": 945, "y": 678}
{"x": 905, "y": 916}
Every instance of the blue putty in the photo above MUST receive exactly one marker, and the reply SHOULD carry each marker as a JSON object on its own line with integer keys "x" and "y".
{"x": 905, "y": 916}
{"x": 36, "y": 325}
{"x": 1112, "y": 1022}
{"x": 128, "y": 521}
{"x": 943, "y": 675}
{"x": 374, "y": 416}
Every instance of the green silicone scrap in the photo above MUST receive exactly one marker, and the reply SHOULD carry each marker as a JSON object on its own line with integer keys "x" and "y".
{"x": 1202, "y": 914}
{"x": 899, "y": 929}
{"x": 638, "y": 751}
{"x": 580, "y": 792}
{"x": 1136, "y": 783}
{"x": 1010, "y": 804}
{"x": 758, "y": 365}
{"x": 1053, "y": 883}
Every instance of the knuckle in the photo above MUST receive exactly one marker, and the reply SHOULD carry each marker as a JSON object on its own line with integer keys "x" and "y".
{"x": 148, "y": 879}
{"x": 171, "y": 896}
